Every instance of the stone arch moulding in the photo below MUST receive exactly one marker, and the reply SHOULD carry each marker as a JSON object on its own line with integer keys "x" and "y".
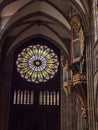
{"x": 34, "y": 30}
{"x": 96, "y": 103}
{"x": 78, "y": 5}
{"x": 6, "y": 84}
{"x": 27, "y": 9}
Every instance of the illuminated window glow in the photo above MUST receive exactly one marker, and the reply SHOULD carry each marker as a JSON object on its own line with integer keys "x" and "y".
{"x": 37, "y": 63}
{"x": 25, "y": 97}
{"x": 49, "y": 98}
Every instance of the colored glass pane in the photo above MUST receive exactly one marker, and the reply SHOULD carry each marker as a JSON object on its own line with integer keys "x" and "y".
{"x": 37, "y": 63}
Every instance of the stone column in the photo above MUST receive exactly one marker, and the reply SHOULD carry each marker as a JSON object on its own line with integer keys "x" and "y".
{"x": 90, "y": 41}
{"x": 6, "y": 89}
{"x": 90, "y": 87}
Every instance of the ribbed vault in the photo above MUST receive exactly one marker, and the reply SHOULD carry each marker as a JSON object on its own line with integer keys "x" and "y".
{"x": 23, "y": 19}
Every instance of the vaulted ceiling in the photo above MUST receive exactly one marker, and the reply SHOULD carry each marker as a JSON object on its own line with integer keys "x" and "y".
{"x": 22, "y": 19}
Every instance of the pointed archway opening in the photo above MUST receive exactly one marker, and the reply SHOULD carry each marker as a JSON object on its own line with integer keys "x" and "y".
{"x": 35, "y": 101}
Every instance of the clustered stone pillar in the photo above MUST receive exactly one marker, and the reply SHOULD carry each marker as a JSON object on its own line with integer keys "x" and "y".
{"x": 5, "y": 96}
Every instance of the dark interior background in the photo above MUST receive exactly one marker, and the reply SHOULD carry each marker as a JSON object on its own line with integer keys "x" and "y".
{"x": 34, "y": 117}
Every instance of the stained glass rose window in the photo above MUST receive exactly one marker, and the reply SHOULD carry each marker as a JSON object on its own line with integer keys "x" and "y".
{"x": 37, "y": 63}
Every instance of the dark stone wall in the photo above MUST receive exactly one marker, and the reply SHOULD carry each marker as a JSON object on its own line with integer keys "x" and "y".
{"x": 71, "y": 118}
{"x": 5, "y": 93}
{"x": 91, "y": 74}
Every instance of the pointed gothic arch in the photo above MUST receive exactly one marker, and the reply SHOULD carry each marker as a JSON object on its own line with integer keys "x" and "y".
{"x": 45, "y": 28}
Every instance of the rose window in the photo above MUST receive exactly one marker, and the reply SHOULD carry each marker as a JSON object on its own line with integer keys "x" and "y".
{"x": 37, "y": 63}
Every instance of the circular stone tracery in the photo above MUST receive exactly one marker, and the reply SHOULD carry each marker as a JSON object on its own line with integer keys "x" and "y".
{"x": 37, "y": 63}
